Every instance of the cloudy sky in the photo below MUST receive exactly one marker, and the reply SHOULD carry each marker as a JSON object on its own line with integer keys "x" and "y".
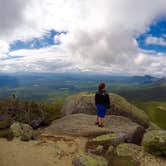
{"x": 104, "y": 36}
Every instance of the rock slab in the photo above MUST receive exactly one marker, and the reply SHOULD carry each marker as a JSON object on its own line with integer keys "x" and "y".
{"x": 83, "y": 125}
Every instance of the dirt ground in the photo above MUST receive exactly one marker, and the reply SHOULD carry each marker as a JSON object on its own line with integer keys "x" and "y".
{"x": 50, "y": 151}
{"x": 53, "y": 151}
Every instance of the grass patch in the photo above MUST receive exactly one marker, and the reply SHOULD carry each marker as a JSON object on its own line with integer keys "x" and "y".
{"x": 155, "y": 110}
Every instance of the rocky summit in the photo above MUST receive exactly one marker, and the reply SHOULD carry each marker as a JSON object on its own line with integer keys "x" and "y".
{"x": 84, "y": 103}
{"x": 128, "y": 137}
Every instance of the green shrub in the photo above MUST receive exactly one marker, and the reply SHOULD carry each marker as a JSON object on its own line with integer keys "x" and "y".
{"x": 6, "y": 133}
{"x": 52, "y": 111}
{"x": 30, "y": 111}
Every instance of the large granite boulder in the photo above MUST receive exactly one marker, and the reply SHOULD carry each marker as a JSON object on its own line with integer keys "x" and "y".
{"x": 83, "y": 159}
{"x": 154, "y": 141}
{"x": 84, "y": 103}
{"x": 83, "y": 125}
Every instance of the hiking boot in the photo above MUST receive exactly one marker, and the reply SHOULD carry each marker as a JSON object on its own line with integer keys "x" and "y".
{"x": 96, "y": 123}
{"x": 101, "y": 125}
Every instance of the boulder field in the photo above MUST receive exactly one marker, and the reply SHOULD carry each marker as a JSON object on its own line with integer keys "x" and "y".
{"x": 128, "y": 137}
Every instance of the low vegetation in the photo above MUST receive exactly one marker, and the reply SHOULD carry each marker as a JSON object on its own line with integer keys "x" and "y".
{"x": 155, "y": 110}
{"x": 36, "y": 114}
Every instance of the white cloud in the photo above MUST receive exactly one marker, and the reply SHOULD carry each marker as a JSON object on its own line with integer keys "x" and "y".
{"x": 101, "y": 35}
{"x": 4, "y": 49}
{"x": 155, "y": 41}
{"x": 50, "y": 59}
{"x": 11, "y": 16}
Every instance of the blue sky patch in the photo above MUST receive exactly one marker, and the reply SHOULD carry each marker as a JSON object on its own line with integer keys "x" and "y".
{"x": 156, "y": 30}
{"x": 37, "y": 43}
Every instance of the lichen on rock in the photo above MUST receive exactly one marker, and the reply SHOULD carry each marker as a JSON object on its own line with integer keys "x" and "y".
{"x": 83, "y": 159}
{"x": 154, "y": 141}
{"x": 24, "y": 131}
{"x": 108, "y": 139}
{"x": 126, "y": 149}
{"x": 16, "y": 129}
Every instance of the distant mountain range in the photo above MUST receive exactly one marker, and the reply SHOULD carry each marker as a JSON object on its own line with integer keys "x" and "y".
{"x": 42, "y": 86}
{"x": 14, "y": 80}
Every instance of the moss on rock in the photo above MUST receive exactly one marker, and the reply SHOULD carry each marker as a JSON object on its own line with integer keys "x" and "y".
{"x": 16, "y": 129}
{"x": 126, "y": 149}
{"x": 107, "y": 139}
{"x": 154, "y": 141}
{"x": 126, "y": 154}
{"x": 27, "y": 133}
{"x": 24, "y": 131}
{"x": 99, "y": 149}
{"x": 110, "y": 152}
{"x": 83, "y": 159}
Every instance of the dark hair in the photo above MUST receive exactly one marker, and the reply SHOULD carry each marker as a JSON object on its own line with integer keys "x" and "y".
{"x": 101, "y": 87}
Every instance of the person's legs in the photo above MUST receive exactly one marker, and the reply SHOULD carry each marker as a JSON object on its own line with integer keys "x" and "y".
{"x": 101, "y": 110}
{"x": 101, "y": 122}
{"x": 97, "y": 120}
{"x": 98, "y": 114}
{"x": 102, "y": 115}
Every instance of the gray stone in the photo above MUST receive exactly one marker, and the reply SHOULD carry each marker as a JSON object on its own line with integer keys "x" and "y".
{"x": 83, "y": 125}
{"x": 84, "y": 103}
{"x": 154, "y": 141}
{"x": 22, "y": 130}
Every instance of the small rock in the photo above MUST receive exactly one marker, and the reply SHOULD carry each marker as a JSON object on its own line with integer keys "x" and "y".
{"x": 108, "y": 139}
{"x": 27, "y": 133}
{"x": 127, "y": 154}
{"x": 99, "y": 149}
{"x": 36, "y": 123}
{"x": 83, "y": 159}
{"x": 126, "y": 149}
{"x": 154, "y": 142}
{"x": 22, "y": 130}
{"x": 110, "y": 151}
{"x": 16, "y": 129}
{"x": 25, "y": 138}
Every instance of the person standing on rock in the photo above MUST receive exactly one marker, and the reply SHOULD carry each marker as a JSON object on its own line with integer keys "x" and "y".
{"x": 102, "y": 102}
